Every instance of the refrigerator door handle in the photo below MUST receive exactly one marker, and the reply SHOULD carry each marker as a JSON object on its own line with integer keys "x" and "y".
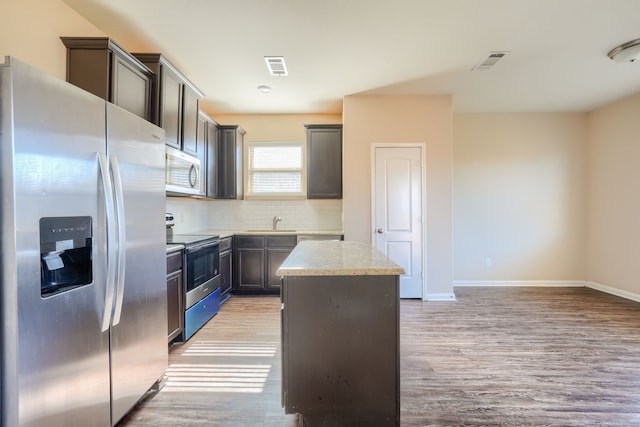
{"x": 122, "y": 238}
{"x": 111, "y": 242}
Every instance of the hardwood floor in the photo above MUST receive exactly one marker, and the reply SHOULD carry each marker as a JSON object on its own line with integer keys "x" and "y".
{"x": 521, "y": 357}
{"x": 496, "y": 357}
{"x": 227, "y": 374}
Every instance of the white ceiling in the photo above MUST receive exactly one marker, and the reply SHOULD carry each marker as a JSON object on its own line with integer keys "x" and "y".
{"x": 334, "y": 48}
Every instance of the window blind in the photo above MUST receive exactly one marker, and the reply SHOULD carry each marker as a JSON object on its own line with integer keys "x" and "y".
{"x": 275, "y": 169}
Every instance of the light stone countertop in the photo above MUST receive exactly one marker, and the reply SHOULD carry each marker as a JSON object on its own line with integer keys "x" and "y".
{"x": 337, "y": 258}
{"x": 174, "y": 247}
{"x": 229, "y": 233}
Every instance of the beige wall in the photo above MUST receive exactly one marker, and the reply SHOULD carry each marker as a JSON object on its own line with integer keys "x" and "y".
{"x": 519, "y": 196}
{"x": 31, "y": 31}
{"x": 275, "y": 127}
{"x": 614, "y": 196}
{"x": 517, "y": 203}
{"x": 402, "y": 119}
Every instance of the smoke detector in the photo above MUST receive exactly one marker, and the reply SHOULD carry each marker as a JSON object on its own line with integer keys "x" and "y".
{"x": 276, "y": 65}
{"x": 626, "y": 52}
{"x": 490, "y": 60}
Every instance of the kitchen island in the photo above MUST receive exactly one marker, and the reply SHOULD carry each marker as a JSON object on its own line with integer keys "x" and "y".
{"x": 340, "y": 335}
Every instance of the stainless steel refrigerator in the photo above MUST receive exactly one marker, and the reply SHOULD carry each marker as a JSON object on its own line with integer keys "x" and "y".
{"x": 83, "y": 299}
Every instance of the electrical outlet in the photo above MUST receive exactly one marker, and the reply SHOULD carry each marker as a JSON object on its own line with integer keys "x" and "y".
{"x": 488, "y": 262}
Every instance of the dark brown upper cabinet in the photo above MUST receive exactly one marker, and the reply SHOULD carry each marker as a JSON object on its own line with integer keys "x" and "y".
{"x": 213, "y": 162}
{"x": 207, "y": 148}
{"x": 190, "y": 116}
{"x": 324, "y": 161}
{"x": 100, "y": 66}
{"x": 230, "y": 175}
{"x": 174, "y": 103}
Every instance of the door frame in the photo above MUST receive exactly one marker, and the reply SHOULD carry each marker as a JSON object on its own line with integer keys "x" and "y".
{"x": 423, "y": 175}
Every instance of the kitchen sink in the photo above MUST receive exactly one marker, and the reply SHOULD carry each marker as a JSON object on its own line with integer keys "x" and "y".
{"x": 270, "y": 231}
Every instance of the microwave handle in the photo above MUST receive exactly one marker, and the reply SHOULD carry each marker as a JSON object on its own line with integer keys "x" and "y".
{"x": 193, "y": 176}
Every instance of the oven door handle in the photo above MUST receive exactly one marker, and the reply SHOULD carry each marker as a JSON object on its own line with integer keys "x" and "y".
{"x": 198, "y": 247}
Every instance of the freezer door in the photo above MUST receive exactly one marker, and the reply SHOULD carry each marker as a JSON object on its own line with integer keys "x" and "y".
{"x": 62, "y": 358}
{"x": 139, "y": 333}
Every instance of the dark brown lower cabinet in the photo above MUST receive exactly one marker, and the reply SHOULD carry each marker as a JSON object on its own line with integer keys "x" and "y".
{"x": 226, "y": 268}
{"x": 175, "y": 310}
{"x": 275, "y": 257}
{"x": 340, "y": 350}
{"x": 256, "y": 259}
{"x": 248, "y": 265}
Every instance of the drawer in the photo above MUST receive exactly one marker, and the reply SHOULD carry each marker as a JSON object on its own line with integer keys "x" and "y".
{"x": 250, "y": 242}
{"x": 282, "y": 241}
{"x": 198, "y": 315}
{"x": 174, "y": 261}
{"x": 226, "y": 244}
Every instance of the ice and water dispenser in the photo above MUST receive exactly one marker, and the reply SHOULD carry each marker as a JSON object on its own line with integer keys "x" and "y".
{"x": 65, "y": 254}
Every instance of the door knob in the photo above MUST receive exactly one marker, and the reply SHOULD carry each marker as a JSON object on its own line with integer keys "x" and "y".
{"x": 379, "y": 231}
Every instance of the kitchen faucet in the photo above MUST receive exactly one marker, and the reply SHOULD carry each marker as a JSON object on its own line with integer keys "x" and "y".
{"x": 275, "y": 221}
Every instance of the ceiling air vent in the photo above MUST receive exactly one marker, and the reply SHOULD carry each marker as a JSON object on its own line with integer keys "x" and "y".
{"x": 276, "y": 65}
{"x": 490, "y": 60}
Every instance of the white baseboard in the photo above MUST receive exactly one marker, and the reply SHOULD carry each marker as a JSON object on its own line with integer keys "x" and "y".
{"x": 535, "y": 283}
{"x": 613, "y": 291}
{"x": 439, "y": 297}
{"x": 550, "y": 283}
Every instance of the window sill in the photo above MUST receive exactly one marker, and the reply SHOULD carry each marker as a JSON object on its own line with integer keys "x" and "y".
{"x": 274, "y": 197}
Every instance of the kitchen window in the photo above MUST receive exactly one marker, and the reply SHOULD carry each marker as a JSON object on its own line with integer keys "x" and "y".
{"x": 275, "y": 170}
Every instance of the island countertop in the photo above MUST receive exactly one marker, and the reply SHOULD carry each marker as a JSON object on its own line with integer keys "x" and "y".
{"x": 337, "y": 258}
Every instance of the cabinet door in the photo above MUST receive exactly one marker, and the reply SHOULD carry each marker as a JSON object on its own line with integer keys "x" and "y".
{"x": 324, "y": 162}
{"x": 131, "y": 88}
{"x": 201, "y": 148}
{"x": 230, "y": 183}
{"x": 190, "y": 123}
{"x": 227, "y": 173}
{"x": 226, "y": 267}
{"x": 175, "y": 314}
{"x": 171, "y": 107}
{"x": 275, "y": 257}
{"x": 250, "y": 270}
{"x": 212, "y": 160}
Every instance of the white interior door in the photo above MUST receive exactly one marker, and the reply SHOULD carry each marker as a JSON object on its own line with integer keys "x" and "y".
{"x": 397, "y": 212}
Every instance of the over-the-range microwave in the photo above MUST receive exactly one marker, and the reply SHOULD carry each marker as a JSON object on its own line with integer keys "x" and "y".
{"x": 183, "y": 173}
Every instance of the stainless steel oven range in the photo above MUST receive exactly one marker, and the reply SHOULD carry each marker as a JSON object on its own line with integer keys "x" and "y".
{"x": 201, "y": 279}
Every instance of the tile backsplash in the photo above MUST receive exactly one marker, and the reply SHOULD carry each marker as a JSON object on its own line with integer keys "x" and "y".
{"x": 193, "y": 215}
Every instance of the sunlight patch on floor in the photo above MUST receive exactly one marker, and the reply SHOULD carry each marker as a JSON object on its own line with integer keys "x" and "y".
{"x": 231, "y": 348}
{"x": 216, "y": 378}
